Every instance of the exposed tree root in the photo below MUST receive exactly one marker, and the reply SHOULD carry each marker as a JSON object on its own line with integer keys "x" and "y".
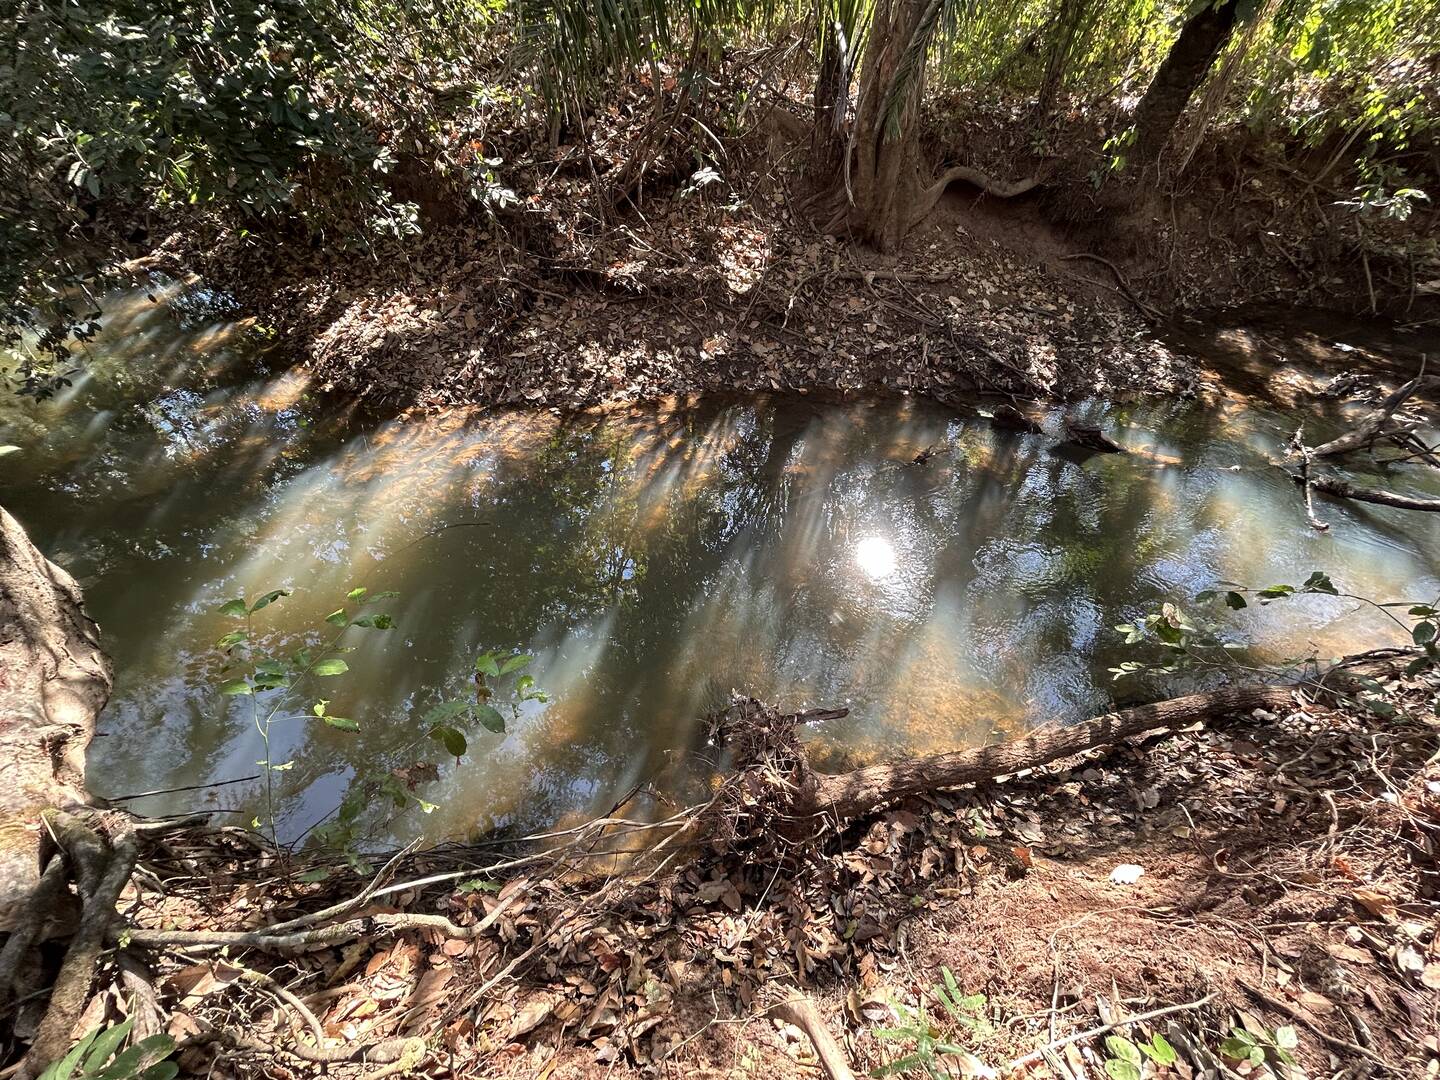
{"x": 1145, "y": 309}
{"x": 72, "y": 986}
{"x": 799, "y": 1010}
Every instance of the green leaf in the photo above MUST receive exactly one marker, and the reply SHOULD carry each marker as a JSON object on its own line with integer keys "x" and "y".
{"x": 1423, "y": 632}
{"x": 234, "y": 608}
{"x": 1234, "y": 601}
{"x": 478, "y": 885}
{"x": 1238, "y": 1046}
{"x": 490, "y": 718}
{"x": 269, "y": 598}
{"x": 376, "y": 622}
{"x": 1160, "y": 1050}
{"x": 342, "y": 722}
{"x": 105, "y": 1044}
{"x": 65, "y": 1067}
{"x": 1286, "y": 1037}
{"x": 451, "y": 738}
{"x": 1123, "y": 1049}
{"x": 356, "y": 594}
{"x": 139, "y": 1056}
{"x": 1423, "y": 610}
{"x": 338, "y": 618}
{"x": 515, "y": 663}
{"x": 1120, "y": 1069}
{"x": 486, "y": 665}
{"x": 235, "y": 637}
{"x": 333, "y": 666}
{"x": 1275, "y": 591}
{"x": 446, "y": 710}
{"x": 318, "y": 874}
{"x": 387, "y": 594}
{"x": 1319, "y": 581}
{"x": 236, "y": 686}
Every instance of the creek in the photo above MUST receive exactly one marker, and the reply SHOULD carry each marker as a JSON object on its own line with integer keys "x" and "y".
{"x": 653, "y": 560}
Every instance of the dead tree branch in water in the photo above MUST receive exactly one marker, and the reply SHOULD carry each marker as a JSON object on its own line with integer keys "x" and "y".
{"x": 1342, "y": 489}
{"x": 1297, "y": 446}
{"x": 1376, "y": 425}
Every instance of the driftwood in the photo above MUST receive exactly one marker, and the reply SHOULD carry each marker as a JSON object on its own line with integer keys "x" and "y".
{"x": 1377, "y": 425}
{"x": 1297, "y": 445}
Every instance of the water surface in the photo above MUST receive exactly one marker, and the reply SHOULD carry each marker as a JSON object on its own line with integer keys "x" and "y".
{"x": 651, "y": 560}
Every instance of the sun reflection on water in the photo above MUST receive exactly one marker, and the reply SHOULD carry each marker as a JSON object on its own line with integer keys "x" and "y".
{"x": 876, "y": 557}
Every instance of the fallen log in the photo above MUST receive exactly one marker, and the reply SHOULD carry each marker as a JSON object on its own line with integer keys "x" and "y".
{"x": 773, "y": 778}
{"x": 1090, "y": 437}
{"x": 860, "y": 791}
{"x": 1344, "y": 490}
{"x": 1012, "y": 419}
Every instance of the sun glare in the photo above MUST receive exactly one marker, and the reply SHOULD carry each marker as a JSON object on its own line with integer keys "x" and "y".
{"x": 875, "y": 557}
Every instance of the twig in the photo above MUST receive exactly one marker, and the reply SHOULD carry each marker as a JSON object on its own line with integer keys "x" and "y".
{"x": 1154, "y": 1014}
{"x": 1129, "y": 293}
{"x": 1297, "y": 444}
{"x": 187, "y": 787}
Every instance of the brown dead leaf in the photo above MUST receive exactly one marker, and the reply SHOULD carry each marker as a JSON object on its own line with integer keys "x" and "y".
{"x": 1342, "y": 951}
{"x": 1376, "y": 902}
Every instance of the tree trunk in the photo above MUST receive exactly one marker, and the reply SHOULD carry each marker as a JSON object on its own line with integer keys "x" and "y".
{"x": 827, "y": 138}
{"x": 1072, "y": 14}
{"x": 53, "y": 682}
{"x": 884, "y": 175}
{"x": 1203, "y": 36}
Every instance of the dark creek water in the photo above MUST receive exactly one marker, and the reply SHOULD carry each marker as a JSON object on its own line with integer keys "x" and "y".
{"x": 652, "y": 561}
